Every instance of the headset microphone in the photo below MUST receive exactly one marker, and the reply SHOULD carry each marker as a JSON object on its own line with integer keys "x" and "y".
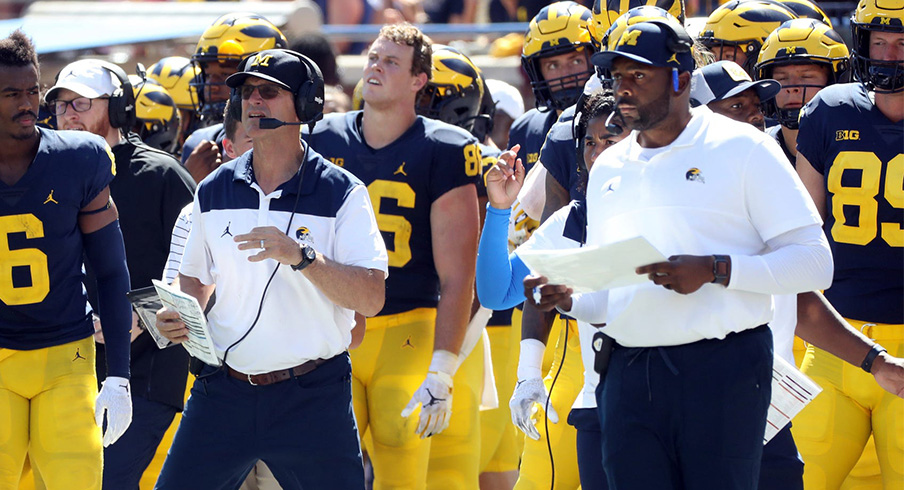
{"x": 613, "y": 128}
{"x": 272, "y": 123}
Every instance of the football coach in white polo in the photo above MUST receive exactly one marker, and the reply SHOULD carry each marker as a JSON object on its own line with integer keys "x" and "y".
{"x": 290, "y": 244}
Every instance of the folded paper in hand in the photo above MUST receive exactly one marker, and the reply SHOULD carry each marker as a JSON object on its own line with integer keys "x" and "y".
{"x": 792, "y": 390}
{"x": 593, "y": 268}
{"x": 199, "y": 343}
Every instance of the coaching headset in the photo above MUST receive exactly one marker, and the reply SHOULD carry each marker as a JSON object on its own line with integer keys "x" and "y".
{"x": 308, "y": 97}
{"x": 121, "y": 107}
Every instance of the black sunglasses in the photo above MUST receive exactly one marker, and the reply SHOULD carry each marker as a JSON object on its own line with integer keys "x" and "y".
{"x": 268, "y": 91}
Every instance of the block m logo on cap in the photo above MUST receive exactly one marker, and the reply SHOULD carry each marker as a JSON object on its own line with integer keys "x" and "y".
{"x": 260, "y": 60}
{"x": 630, "y": 38}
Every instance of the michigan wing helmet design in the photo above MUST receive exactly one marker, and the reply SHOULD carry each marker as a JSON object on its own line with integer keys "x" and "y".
{"x": 558, "y": 28}
{"x": 455, "y": 90}
{"x": 745, "y": 25}
{"x": 176, "y": 74}
{"x": 801, "y": 41}
{"x": 870, "y": 16}
{"x": 229, "y": 39}
{"x": 605, "y": 12}
{"x": 805, "y": 9}
{"x": 156, "y": 113}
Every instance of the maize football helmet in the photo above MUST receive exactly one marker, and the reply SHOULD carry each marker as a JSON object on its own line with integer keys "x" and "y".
{"x": 605, "y": 13}
{"x": 558, "y": 28}
{"x": 455, "y": 90}
{"x": 801, "y": 41}
{"x": 805, "y": 9}
{"x": 744, "y": 24}
{"x": 156, "y": 113}
{"x": 884, "y": 76}
{"x": 229, "y": 39}
{"x": 176, "y": 74}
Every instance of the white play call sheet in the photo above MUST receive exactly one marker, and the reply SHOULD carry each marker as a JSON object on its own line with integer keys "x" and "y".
{"x": 594, "y": 268}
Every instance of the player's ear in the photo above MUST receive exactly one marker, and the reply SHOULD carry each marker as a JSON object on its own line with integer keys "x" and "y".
{"x": 419, "y": 82}
{"x": 684, "y": 81}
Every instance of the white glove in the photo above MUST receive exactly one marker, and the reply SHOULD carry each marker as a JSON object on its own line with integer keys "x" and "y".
{"x": 527, "y": 393}
{"x": 530, "y": 389}
{"x": 434, "y": 395}
{"x": 116, "y": 400}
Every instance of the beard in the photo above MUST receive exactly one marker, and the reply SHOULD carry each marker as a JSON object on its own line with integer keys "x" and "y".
{"x": 25, "y": 134}
{"x": 650, "y": 114}
{"x": 101, "y": 127}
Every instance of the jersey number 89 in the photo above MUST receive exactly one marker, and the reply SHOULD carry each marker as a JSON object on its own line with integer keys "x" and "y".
{"x": 865, "y": 196}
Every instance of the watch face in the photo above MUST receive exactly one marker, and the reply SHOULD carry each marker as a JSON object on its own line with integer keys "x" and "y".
{"x": 309, "y": 253}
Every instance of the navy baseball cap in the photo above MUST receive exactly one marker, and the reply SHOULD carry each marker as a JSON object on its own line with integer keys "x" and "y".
{"x": 648, "y": 43}
{"x": 280, "y": 66}
{"x": 724, "y": 79}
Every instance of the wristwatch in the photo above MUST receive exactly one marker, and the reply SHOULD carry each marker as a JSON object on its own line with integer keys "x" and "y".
{"x": 721, "y": 267}
{"x": 308, "y": 255}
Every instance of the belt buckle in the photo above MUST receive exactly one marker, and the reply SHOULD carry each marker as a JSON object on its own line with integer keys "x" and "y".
{"x": 250, "y": 381}
{"x": 864, "y": 331}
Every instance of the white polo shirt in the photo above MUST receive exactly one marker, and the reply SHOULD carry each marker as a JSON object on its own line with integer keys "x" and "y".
{"x": 564, "y": 230}
{"x": 297, "y": 322}
{"x": 722, "y": 187}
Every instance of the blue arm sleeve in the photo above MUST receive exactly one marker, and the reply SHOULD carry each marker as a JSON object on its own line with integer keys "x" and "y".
{"x": 499, "y": 275}
{"x": 105, "y": 251}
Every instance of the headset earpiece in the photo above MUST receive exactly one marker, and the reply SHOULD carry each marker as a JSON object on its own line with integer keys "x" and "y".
{"x": 675, "y": 79}
{"x": 309, "y": 98}
{"x": 679, "y": 40}
{"x": 121, "y": 110}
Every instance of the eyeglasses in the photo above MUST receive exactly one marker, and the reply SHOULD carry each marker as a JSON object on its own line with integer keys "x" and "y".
{"x": 268, "y": 91}
{"x": 81, "y": 104}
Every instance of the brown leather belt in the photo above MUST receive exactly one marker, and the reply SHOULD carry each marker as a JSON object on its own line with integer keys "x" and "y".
{"x": 264, "y": 379}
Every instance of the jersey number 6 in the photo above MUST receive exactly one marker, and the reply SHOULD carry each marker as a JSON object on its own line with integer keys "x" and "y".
{"x": 400, "y": 227}
{"x": 31, "y": 258}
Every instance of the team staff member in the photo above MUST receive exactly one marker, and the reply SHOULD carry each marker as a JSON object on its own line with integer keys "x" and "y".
{"x": 782, "y": 467}
{"x": 56, "y": 207}
{"x": 697, "y": 362}
{"x": 849, "y": 155}
{"x": 278, "y": 215}
{"x": 421, "y": 177}
{"x": 150, "y": 188}
{"x": 499, "y": 284}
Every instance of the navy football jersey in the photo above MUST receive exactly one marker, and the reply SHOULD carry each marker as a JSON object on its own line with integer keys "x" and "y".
{"x": 559, "y": 155}
{"x": 403, "y": 179}
{"x": 859, "y": 152}
{"x": 529, "y": 131}
{"x": 776, "y": 132}
{"x": 42, "y": 301}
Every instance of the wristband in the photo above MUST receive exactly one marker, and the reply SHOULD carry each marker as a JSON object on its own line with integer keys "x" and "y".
{"x": 867, "y": 364}
{"x": 530, "y": 359}
{"x": 444, "y": 362}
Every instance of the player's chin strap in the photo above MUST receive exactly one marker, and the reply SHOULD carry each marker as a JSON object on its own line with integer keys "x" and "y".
{"x": 260, "y": 306}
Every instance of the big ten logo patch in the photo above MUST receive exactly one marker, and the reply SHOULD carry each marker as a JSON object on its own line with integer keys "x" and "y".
{"x": 847, "y": 135}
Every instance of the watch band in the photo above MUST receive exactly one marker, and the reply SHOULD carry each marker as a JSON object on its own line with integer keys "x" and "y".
{"x": 721, "y": 267}
{"x": 308, "y": 255}
{"x": 867, "y": 364}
